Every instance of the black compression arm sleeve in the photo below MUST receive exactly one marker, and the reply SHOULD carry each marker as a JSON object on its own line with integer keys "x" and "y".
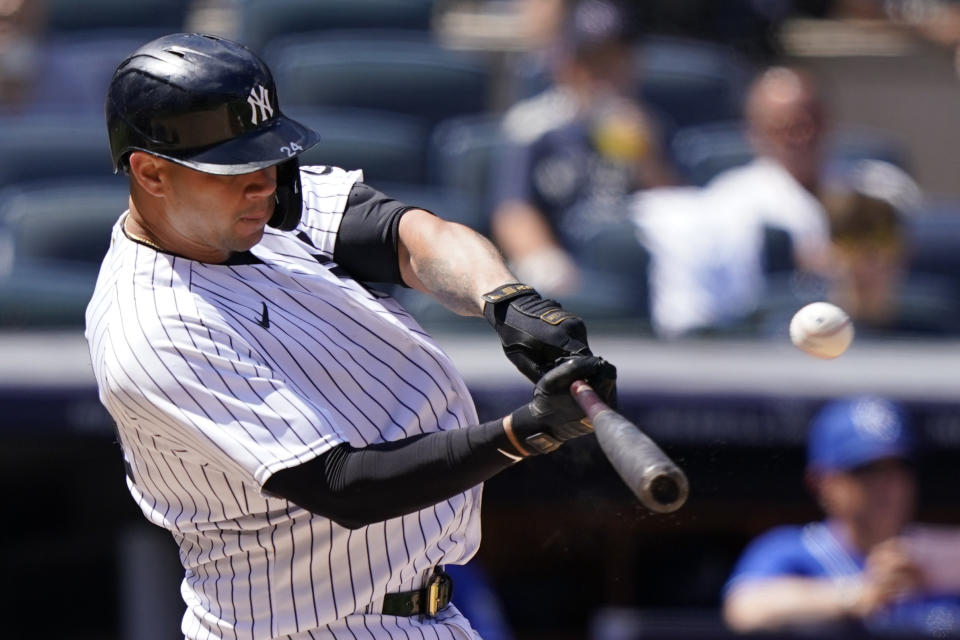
{"x": 356, "y": 487}
{"x": 366, "y": 245}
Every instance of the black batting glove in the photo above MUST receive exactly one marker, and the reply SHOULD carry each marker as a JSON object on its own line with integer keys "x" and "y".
{"x": 535, "y": 331}
{"x": 553, "y": 416}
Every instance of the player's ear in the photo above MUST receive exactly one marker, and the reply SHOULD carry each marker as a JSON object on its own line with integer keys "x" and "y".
{"x": 145, "y": 170}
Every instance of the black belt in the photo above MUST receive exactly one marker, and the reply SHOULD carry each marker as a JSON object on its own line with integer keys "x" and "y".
{"x": 426, "y": 601}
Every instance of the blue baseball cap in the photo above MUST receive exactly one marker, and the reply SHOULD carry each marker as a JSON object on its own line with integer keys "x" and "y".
{"x": 856, "y": 431}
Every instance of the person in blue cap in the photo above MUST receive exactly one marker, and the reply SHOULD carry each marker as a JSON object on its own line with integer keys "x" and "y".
{"x": 866, "y": 566}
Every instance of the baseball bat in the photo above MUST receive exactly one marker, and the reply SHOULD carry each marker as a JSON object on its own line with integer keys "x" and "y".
{"x": 652, "y": 476}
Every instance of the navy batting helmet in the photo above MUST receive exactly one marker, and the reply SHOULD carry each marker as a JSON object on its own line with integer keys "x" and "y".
{"x": 208, "y": 104}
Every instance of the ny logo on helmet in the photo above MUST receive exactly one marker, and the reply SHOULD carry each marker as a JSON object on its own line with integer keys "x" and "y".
{"x": 259, "y": 105}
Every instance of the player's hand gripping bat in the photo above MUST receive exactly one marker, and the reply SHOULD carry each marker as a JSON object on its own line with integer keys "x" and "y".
{"x": 655, "y": 479}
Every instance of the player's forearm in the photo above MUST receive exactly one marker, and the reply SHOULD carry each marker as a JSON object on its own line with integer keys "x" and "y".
{"x": 449, "y": 261}
{"x": 780, "y": 602}
{"x": 357, "y": 487}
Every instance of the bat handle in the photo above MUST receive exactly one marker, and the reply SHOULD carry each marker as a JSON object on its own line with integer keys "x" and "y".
{"x": 587, "y": 398}
{"x": 652, "y": 476}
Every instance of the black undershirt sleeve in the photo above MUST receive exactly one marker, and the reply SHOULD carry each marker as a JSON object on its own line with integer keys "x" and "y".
{"x": 356, "y": 487}
{"x": 366, "y": 246}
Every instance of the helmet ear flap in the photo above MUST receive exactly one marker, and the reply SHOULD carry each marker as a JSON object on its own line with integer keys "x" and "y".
{"x": 286, "y": 215}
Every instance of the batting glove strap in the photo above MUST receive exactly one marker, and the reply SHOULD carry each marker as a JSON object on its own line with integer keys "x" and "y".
{"x": 528, "y": 435}
{"x": 533, "y": 330}
{"x": 537, "y": 437}
{"x": 506, "y": 292}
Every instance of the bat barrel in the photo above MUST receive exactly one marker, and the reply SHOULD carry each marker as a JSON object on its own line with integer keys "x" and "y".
{"x": 665, "y": 489}
{"x": 652, "y": 476}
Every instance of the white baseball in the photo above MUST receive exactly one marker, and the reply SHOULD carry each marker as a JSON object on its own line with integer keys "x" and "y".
{"x": 821, "y": 329}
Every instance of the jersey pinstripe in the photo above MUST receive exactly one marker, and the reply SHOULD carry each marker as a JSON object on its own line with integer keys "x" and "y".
{"x": 217, "y": 376}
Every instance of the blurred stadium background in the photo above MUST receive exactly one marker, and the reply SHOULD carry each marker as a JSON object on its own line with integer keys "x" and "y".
{"x": 412, "y": 92}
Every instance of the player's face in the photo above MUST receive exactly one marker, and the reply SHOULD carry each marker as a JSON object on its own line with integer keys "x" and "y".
{"x": 219, "y": 215}
{"x": 878, "y": 497}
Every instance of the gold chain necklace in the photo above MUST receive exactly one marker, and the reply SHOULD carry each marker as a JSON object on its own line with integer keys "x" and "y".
{"x": 137, "y": 238}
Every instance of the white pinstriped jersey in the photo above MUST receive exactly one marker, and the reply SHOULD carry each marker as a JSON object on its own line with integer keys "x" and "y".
{"x": 220, "y": 375}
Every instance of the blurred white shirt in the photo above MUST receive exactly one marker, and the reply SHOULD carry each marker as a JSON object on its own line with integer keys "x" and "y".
{"x": 706, "y": 244}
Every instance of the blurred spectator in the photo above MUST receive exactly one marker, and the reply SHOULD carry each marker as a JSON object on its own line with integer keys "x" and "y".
{"x": 867, "y": 261}
{"x": 21, "y": 31}
{"x": 787, "y": 127}
{"x": 866, "y": 566}
{"x": 707, "y": 245}
{"x": 574, "y": 150}
{"x": 867, "y": 270}
{"x": 712, "y": 249}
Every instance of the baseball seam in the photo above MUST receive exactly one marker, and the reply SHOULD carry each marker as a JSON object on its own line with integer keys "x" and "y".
{"x": 832, "y": 332}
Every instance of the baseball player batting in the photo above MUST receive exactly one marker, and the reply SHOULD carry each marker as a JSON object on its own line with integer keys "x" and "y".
{"x": 313, "y": 452}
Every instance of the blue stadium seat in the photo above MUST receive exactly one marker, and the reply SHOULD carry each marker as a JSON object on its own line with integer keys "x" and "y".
{"x": 850, "y": 143}
{"x": 164, "y": 16}
{"x": 37, "y": 296}
{"x": 54, "y": 236}
{"x": 448, "y": 203}
{"x": 408, "y": 74}
{"x": 264, "y": 20}
{"x": 934, "y": 239}
{"x": 461, "y": 157}
{"x": 615, "y": 269}
{"x": 388, "y": 147}
{"x": 62, "y": 221}
{"x": 51, "y": 146}
{"x": 703, "y": 151}
{"x": 684, "y": 81}
{"x": 78, "y": 66}
{"x": 700, "y": 152}
{"x": 692, "y": 81}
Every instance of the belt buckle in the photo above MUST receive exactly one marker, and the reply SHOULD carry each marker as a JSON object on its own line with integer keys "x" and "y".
{"x": 439, "y": 590}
